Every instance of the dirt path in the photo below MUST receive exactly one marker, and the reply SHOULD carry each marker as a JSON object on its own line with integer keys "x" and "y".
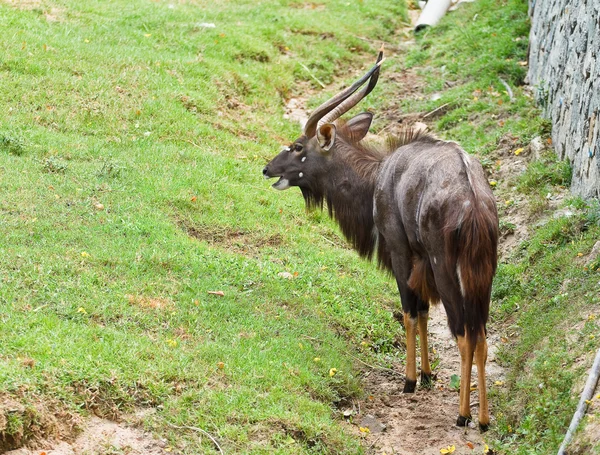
{"x": 423, "y": 423}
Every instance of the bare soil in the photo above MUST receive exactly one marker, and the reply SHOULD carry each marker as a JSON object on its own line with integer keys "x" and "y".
{"x": 101, "y": 436}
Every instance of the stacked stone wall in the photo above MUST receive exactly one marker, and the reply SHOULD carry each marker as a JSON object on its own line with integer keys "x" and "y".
{"x": 564, "y": 69}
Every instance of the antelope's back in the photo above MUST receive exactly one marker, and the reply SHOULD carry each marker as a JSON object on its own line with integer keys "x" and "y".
{"x": 422, "y": 186}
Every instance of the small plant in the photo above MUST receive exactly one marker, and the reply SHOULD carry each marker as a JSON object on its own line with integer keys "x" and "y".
{"x": 111, "y": 168}
{"x": 14, "y": 145}
{"x": 54, "y": 165}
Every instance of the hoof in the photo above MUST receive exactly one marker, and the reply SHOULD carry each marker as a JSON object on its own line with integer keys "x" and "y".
{"x": 462, "y": 421}
{"x": 410, "y": 386}
{"x": 483, "y": 427}
{"x": 426, "y": 380}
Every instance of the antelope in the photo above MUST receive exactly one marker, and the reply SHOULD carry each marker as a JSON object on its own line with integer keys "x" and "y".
{"x": 423, "y": 206}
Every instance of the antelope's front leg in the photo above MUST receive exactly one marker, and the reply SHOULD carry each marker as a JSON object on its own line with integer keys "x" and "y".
{"x": 410, "y": 326}
{"x": 426, "y": 376}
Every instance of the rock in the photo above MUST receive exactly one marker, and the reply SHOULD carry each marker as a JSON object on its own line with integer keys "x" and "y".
{"x": 371, "y": 422}
{"x": 536, "y": 146}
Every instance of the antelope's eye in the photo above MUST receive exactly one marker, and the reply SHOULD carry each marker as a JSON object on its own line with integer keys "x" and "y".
{"x": 297, "y": 147}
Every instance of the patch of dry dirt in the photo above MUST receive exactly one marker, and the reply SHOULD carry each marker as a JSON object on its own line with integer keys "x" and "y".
{"x": 101, "y": 436}
{"x": 235, "y": 240}
{"x": 52, "y": 13}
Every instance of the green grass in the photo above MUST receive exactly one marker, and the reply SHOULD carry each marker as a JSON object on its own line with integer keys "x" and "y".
{"x": 132, "y": 139}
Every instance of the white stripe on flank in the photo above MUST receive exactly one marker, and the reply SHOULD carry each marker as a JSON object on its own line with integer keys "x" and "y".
{"x": 460, "y": 281}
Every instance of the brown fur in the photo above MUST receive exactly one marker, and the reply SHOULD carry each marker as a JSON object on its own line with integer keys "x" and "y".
{"x": 422, "y": 282}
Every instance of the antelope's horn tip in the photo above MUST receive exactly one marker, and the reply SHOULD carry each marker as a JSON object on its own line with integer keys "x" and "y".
{"x": 382, "y": 46}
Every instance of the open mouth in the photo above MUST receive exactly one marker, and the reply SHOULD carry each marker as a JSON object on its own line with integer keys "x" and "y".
{"x": 281, "y": 184}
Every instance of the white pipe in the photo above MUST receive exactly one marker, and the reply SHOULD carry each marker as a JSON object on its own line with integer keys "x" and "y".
{"x": 432, "y": 13}
{"x": 586, "y": 396}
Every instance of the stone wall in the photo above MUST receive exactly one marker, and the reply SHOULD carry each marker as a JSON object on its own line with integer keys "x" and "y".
{"x": 564, "y": 69}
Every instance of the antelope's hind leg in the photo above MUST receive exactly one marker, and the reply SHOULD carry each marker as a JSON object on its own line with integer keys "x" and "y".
{"x": 481, "y": 350}
{"x": 466, "y": 347}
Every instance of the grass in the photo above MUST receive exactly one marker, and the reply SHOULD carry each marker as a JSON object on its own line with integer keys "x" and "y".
{"x": 132, "y": 138}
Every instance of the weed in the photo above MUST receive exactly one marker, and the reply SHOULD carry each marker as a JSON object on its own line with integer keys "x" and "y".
{"x": 12, "y": 144}
{"x": 54, "y": 165}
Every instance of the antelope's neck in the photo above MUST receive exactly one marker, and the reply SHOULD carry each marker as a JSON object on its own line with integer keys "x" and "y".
{"x": 350, "y": 202}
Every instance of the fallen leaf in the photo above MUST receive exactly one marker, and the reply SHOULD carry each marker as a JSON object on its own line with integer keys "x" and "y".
{"x": 449, "y": 449}
{"x": 332, "y": 372}
{"x": 27, "y": 362}
{"x": 364, "y": 430}
{"x": 519, "y": 151}
{"x": 81, "y": 310}
{"x": 219, "y": 293}
{"x": 470, "y": 445}
{"x": 499, "y": 383}
{"x": 194, "y": 198}
{"x": 220, "y": 365}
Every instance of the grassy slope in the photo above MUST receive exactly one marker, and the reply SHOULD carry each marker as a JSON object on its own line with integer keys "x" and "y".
{"x": 546, "y": 296}
{"x": 132, "y": 140}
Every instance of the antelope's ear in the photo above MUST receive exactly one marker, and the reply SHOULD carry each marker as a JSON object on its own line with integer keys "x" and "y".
{"x": 359, "y": 125}
{"x": 326, "y": 136}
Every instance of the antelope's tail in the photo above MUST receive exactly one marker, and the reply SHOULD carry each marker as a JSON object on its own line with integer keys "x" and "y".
{"x": 472, "y": 243}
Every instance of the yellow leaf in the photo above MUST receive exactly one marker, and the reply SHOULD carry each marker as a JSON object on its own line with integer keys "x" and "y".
{"x": 85, "y": 254}
{"x": 81, "y": 310}
{"x": 449, "y": 449}
{"x": 147, "y": 35}
{"x": 332, "y": 372}
{"x": 493, "y": 183}
{"x": 519, "y": 151}
{"x": 317, "y": 359}
{"x": 499, "y": 383}
{"x": 364, "y": 430}
{"x": 579, "y": 255}
{"x": 486, "y": 449}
